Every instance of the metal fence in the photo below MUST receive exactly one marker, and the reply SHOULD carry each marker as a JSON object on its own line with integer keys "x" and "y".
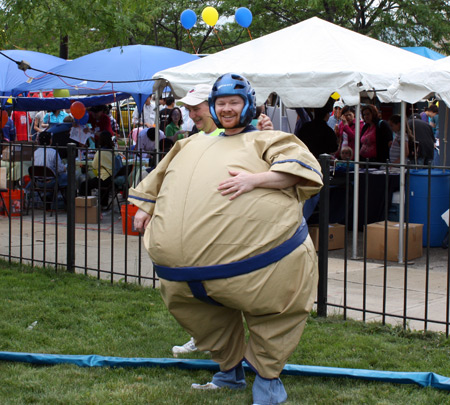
{"x": 413, "y": 293}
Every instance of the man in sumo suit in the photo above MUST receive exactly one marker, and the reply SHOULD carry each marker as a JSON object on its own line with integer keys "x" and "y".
{"x": 228, "y": 240}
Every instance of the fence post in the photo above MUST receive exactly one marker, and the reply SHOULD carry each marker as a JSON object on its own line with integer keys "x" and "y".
{"x": 324, "y": 214}
{"x": 70, "y": 201}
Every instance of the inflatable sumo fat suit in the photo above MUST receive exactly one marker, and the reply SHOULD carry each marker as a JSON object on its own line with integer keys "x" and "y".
{"x": 219, "y": 260}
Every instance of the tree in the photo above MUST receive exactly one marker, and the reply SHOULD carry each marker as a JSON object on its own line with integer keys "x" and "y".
{"x": 75, "y": 28}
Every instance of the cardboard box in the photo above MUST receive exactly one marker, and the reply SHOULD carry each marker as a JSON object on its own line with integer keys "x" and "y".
{"x": 375, "y": 240}
{"x": 91, "y": 211}
{"x": 336, "y": 236}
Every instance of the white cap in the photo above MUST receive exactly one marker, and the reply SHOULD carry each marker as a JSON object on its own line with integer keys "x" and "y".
{"x": 339, "y": 104}
{"x": 197, "y": 95}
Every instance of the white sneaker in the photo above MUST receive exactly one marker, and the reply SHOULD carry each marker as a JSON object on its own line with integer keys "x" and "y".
{"x": 186, "y": 348}
{"x": 207, "y": 386}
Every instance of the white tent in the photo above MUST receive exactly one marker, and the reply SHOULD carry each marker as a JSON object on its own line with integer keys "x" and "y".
{"x": 418, "y": 83}
{"x": 304, "y": 64}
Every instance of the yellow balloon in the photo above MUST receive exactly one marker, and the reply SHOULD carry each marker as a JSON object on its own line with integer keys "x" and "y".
{"x": 335, "y": 96}
{"x": 61, "y": 93}
{"x": 210, "y": 16}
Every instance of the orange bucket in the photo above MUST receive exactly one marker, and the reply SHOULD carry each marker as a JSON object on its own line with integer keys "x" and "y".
{"x": 128, "y": 219}
{"x": 13, "y": 205}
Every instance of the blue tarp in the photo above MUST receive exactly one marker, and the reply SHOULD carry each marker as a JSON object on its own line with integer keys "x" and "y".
{"x": 127, "y": 69}
{"x": 11, "y": 76}
{"x": 49, "y": 104}
{"x": 424, "y": 51}
{"x": 424, "y": 379}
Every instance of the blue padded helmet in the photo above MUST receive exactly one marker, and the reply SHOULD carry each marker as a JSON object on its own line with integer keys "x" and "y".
{"x": 231, "y": 84}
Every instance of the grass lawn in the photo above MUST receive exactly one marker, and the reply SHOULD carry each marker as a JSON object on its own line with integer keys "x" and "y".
{"x": 79, "y": 315}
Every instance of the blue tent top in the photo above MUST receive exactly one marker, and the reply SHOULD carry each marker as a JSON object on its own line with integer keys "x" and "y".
{"x": 49, "y": 104}
{"x": 11, "y": 76}
{"x": 127, "y": 69}
{"x": 424, "y": 51}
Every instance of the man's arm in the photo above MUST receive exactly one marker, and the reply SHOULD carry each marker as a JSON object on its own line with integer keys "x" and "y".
{"x": 242, "y": 182}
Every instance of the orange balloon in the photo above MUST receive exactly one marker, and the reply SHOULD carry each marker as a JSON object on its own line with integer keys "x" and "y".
{"x": 77, "y": 109}
{"x": 4, "y": 119}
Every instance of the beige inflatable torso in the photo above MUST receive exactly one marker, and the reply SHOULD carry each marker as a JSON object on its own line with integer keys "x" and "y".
{"x": 194, "y": 225}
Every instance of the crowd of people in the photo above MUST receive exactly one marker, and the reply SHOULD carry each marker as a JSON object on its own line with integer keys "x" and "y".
{"x": 332, "y": 128}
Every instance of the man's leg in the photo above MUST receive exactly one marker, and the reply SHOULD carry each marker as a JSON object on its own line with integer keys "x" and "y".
{"x": 216, "y": 329}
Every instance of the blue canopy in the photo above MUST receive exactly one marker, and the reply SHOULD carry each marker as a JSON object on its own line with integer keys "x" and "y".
{"x": 11, "y": 76}
{"x": 126, "y": 69}
{"x": 424, "y": 51}
{"x": 49, "y": 104}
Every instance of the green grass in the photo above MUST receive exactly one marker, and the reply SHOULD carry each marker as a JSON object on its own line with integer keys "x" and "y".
{"x": 79, "y": 315}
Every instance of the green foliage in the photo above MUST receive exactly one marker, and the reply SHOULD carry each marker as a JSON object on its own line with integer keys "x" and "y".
{"x": 92, "y": 25}
{"x": 80, "y": 315}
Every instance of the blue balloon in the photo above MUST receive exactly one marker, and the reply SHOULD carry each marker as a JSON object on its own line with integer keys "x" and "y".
{"x": 84, "y": 120}
{"x": 188, "y": 18}
{"x": 243, "y": 17}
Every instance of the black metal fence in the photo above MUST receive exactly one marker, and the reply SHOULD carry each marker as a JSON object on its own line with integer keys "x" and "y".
{"x": 72, "y": 233}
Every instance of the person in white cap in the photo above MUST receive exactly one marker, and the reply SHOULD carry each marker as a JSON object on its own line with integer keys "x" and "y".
{"x": 335, "y": 119}
{"x": 196, "y": 102}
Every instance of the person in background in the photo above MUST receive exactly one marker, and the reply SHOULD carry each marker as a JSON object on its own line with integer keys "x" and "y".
{"x": 146, "y": 141}
{"x": 173, "y": 127}
{"x": 395, "y": 122}
{"x": 38, "y": 123}
{"x": 103, "y": 166}
{"x": 165, "y": 112}
{"x": 376, "y": 136}
{"x": 99, "y": 121}
{"x": 335, "y": 118}
{"x": 188, "y": 124}
{"x": 224, "y": 201}
{"x": 317, "y": 135}
{"x": 346, "y": 130}
{"x": 47, "y": 156}
{"x": 146, "y": 117}
{"x": 9, "y": 130}
{"x": 54, "y": 117}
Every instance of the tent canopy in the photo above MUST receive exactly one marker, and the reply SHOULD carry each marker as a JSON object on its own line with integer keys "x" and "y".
{"x": 424, "y": 51}
{"x": 304, "y": 64}
{"x": 418, "y": 84}
{"x": 11, "y": 76}
{"x": 126, "y": 69}
{"x": 49, "y": 104}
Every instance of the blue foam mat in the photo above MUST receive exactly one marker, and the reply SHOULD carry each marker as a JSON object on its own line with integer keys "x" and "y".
{"x": 424, "y": 379}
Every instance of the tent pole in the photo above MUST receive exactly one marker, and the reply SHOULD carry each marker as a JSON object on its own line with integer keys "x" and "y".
{"x": 444, "y": 163}
{"x": 356, "y": 180}
{"x": 157, "y": 96}
{"x": 402, "y": 182}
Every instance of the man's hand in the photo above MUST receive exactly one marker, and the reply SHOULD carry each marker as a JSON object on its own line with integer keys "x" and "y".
{"x": 141, "y": 220}
{"x": 264, "y": 123}
{"x": 239, "y": 183}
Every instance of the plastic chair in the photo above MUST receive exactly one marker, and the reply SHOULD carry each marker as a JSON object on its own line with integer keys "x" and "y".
{"x": 44, "y": 181}
{"x": 121, "y": 184}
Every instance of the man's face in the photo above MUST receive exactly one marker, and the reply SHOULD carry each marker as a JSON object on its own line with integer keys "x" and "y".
{"x": 201, "y": 116}
{"x": 228, "y": 110}
{"x": 395, "y": 127}
{"x": 147, "y": 102}
{"x": 337, "y": 112}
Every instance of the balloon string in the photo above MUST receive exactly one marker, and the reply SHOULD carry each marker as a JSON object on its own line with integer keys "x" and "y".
{"x": 215, "y": 31}
{"x": 190, "y": 39}
{"x": 250, "y": 35}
